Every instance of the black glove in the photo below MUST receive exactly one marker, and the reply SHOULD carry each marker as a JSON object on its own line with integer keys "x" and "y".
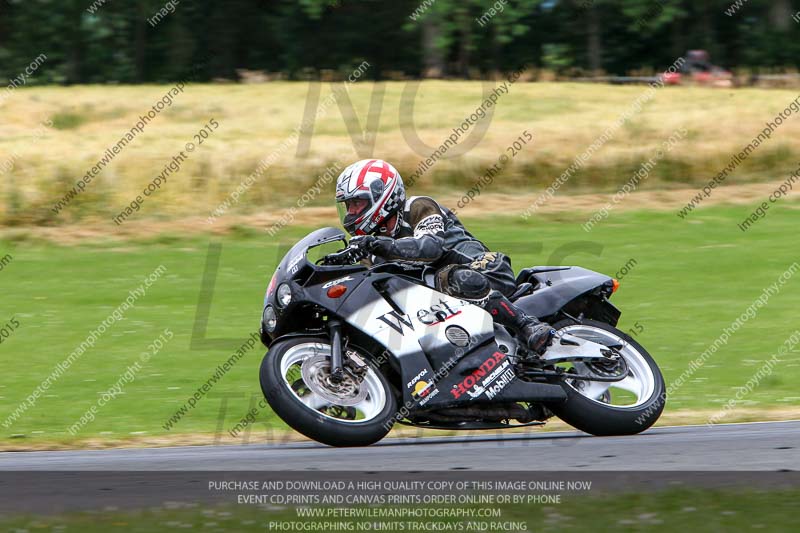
{"x": 372, "y": 245}
{"x": 359, "y": 248}
{"x": 353, "y": 253}
{"x": 362, "y": 242}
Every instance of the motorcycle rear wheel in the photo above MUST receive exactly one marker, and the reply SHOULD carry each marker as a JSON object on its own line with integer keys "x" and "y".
{"x": 589, "y": 404}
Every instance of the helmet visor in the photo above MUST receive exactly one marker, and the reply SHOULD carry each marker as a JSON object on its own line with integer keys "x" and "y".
{"x": 351, "y": 211}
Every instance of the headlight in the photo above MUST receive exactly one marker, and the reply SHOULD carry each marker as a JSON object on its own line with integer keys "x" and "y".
{"x": 284, "y": 294}
{"x": 270, "y": 320}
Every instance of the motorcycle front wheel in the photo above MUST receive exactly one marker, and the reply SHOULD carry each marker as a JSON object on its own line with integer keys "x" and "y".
{"x": 296, "y": 382}
{"x": 624, "y": 407}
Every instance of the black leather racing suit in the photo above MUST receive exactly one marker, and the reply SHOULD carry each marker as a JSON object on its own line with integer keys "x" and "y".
{"x": 431, "y": 233}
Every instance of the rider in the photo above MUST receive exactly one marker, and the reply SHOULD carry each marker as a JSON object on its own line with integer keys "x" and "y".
{"x": 372, "y": 206}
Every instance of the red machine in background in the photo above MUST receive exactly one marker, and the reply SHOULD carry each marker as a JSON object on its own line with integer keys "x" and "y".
{"x": 698, "y": 70}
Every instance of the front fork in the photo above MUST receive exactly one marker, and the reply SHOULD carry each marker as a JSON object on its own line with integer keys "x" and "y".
{"x": 335, "y": 330}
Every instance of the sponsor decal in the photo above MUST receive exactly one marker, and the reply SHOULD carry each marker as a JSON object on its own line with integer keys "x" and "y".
{"x": 428, "y": 225}
{"x": 336, "y": 282}
{"x": 505, "y": 378}
{"x": 396, "y": 321}
{"x": 436, "y": 314}
{"x": 293, "y": 265}
{"x": 480, "y": 389}
{"x": 424, "y": 391}
{"x": 490, "y": 370}
{"x": 423, "y": 372}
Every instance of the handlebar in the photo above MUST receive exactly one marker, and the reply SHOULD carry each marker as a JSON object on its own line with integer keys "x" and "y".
{"x": 352, "y": 254}
{"x": 337, "y": 258}
{"x": 349, "y": 255}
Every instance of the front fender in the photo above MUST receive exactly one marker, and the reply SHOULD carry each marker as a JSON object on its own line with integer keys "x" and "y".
{"x": 320, "y": 334}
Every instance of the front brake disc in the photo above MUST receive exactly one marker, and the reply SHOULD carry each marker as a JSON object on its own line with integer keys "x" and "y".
{"x": 316, "y": 372}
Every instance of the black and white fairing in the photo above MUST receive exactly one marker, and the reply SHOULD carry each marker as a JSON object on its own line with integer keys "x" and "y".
{"x": 444, "y": 348}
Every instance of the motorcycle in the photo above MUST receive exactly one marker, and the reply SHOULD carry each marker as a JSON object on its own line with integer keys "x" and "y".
{"x": 355, "y": 349}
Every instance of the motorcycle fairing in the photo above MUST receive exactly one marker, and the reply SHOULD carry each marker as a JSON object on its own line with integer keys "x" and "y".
{"x": 406, "y": 318}
{"x": 411, "y": 321}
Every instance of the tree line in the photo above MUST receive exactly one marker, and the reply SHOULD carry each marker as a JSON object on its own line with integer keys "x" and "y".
{"x": 145, "y": 41}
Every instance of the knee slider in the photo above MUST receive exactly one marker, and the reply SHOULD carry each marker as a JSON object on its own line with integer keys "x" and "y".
{"x": 468, "y": 283}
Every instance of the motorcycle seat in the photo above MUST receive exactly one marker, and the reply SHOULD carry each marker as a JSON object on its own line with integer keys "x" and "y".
{"x": 522, "y": 290}
{"x": 526, "y": 273}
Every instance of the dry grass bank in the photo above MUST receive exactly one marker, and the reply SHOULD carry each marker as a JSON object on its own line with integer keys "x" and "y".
{"x": 38, "y": 168}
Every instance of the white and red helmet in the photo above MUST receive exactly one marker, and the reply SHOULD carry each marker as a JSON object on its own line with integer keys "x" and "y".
{"x": 378, "y": 186}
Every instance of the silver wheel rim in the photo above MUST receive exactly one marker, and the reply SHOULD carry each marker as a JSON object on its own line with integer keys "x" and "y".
{"x": 640, "y": 381}
{"x": 366, "y": 398}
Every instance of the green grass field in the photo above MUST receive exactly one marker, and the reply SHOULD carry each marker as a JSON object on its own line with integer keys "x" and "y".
{"x": 690, "y": 280}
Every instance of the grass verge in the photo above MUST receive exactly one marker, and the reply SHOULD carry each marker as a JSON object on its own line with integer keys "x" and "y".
{"x": 686, "y": 283}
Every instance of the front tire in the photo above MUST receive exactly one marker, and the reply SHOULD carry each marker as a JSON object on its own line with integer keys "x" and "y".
{"x": 589, "y": 406}
{"x": 295, "y": 381}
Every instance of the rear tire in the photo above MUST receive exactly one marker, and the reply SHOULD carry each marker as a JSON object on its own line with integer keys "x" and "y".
{"x": 602, "y": 419}
{"x": 285, "y": 398}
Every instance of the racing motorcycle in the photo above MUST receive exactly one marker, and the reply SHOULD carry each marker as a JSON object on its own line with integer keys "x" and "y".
{"x": 355, "y": 349}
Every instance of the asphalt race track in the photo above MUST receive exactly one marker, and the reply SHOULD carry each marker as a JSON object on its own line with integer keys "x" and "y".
{"x": 764, "y": 446}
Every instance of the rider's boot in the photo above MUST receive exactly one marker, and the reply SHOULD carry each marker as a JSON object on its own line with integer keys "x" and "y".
{"x": 533, "y": 333}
